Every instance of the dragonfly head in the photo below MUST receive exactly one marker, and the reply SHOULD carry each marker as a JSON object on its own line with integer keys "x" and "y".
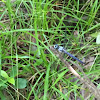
{"x": 56, "y": 46}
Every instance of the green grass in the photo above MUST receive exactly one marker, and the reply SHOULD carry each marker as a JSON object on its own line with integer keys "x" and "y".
{"x": 27, "y": 29}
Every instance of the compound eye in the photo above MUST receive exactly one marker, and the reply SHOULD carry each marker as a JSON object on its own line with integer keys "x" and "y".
{"x": 56, "y": 46}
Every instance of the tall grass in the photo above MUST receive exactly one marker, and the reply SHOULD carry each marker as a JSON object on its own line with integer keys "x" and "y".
{"x": 28, "y": 28}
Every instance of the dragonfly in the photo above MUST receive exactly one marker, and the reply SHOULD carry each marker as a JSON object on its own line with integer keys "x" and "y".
{"x": 62, "y": 49}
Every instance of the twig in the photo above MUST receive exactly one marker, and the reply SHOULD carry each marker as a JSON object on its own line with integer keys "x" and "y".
{"x": 85, "y": 80}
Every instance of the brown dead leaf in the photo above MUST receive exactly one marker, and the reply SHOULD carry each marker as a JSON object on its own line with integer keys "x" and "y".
{"x": 60, "y": 87}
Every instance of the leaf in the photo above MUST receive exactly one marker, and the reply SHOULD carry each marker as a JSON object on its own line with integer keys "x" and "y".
{"x": 2, "y": 96}
{"x": 20, "y": 83}
{"x": 98, "y": 85}
{"x": 13, "y": 72}
{"x": 46, "y": 84}
{"x": 62, "y": 95}
{"x": 60, "y": 77}
{"x": 98, "y": 39}
{"x": 95, "y": 34}
{"x": 4, "y": 74}
{"x": 38, "y": 62}
{"x": 2, "y": 84}
{"x": 3, "y": 1}
{"x": 11, "y": 80}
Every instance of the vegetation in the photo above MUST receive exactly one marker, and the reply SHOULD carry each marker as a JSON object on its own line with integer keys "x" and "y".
{"x": 28, "y": 67}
